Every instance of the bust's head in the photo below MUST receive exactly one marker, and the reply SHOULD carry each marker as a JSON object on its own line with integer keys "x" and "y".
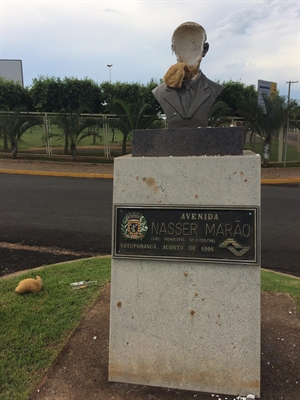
{"x": 189, "y": 43}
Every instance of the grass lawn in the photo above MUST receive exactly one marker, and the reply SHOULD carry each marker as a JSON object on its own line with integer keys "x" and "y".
{"x": 32, "y": 138}
{"x": 35, "y": 327}
{"x": 274, "y": 282}
{"x": 291, "y": 155}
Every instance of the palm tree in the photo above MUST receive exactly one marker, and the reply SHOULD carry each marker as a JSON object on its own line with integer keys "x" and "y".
{"x": 130, "y": 117}
{"x": 294, "y": 116}
{"x": 219, "y": 114}
{"x": 267, "y": 121}
{"x": 12, "y": 126}
{"x": 75, "y": 128}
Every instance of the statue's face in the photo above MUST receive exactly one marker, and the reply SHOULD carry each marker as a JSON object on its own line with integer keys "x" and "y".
{"x": 188, "y": 42}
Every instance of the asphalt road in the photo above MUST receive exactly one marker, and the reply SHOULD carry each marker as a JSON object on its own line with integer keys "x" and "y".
{"x": 280, "y": 228}
{"x": 76, "y": 215}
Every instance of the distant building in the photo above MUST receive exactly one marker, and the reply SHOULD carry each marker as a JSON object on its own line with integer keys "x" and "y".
{"x": 12, "y": 70}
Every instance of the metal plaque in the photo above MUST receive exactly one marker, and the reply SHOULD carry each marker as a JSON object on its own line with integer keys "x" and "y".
{"x": 193, "y": 234}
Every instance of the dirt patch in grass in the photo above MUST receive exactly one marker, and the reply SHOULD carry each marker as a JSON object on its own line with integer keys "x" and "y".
{"x": 81, "y": 370}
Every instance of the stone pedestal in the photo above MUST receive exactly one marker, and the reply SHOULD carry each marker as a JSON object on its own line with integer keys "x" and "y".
{"x": 187, "y": 142}
{"x": 179, "y": 323}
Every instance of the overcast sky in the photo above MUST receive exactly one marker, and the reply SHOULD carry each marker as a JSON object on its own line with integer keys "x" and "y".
{"x": 249, "y": 40}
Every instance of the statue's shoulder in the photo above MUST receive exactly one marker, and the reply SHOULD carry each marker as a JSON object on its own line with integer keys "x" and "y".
{"x": 159, "y": 90}
{"x": 215, "y": 87}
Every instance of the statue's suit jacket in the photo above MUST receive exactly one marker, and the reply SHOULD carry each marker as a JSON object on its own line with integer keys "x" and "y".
{"x": 197, "y": 115}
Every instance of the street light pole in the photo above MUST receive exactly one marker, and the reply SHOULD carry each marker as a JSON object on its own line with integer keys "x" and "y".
{"x": 109, "y": 66}
{"x": 288, "y": 120}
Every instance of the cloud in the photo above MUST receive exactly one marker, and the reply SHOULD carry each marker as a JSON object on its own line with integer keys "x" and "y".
{"x": 147, "y": 47}
{"x": 244, "y": 21}
{"x": 257, "y": 16}
{"x": 111, "y": 10}
{"x": 249, "y": 40}
{"x": 240, "y": 64}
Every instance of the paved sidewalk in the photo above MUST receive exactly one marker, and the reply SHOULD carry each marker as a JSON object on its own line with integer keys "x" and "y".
{"x": 87, "y": 170}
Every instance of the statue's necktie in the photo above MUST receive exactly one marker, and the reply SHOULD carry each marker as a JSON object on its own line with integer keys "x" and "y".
{"x": 187, "y": 97}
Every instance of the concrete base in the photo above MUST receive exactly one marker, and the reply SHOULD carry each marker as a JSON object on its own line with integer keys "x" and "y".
{"x": 180, "y": 324}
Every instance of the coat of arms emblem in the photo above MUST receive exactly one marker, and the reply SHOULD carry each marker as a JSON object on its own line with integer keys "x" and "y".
{"x": 134, "y": 226}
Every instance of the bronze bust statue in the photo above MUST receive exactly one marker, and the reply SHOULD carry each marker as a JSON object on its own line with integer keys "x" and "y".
{"x": 186, "y": 95}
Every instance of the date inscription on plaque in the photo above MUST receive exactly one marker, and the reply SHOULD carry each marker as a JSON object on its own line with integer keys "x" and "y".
{"x": 194, "y": 234}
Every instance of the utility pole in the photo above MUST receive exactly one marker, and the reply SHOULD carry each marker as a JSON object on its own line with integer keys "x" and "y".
{"x": 288, "y": 120}
{"x": 109, "y": 66}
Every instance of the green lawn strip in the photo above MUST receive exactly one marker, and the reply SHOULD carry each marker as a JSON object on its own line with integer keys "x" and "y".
{"x": 35, "y": 327}
{"x": 32, "y": 138}
{"x": 62, "y": 159}
{"x": 276, "y": 282}
{"x": 292, "y": 152}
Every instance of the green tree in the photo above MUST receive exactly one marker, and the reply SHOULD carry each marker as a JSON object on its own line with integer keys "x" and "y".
{"x": 47, "y": 94}
{"x": 67, "y": 95}
{"x": 130, "y": 116}
{"x": 131, "y": 103}
{"x": 118, "y": 90}
{"x": 50, "y": 94}
{"x": 219, "y": 114}
{"x": 129, "y": 93}
{"x": 12, "y": 126}
{"x": 269, "y": 120}
{"x": 149, "y": 97}
{"x": 294, "y": 115}
{"x": 75, "y": 128}
{"x": 236, "y": 93}
{"x": 78, "y": 92}
{"x": 13, "y": 96}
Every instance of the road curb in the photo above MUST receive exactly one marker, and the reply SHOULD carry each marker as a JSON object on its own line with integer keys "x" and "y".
{"x": 52, "y": 173}
{"x": 280, "y": 181}
{"x": 275, "y": 181}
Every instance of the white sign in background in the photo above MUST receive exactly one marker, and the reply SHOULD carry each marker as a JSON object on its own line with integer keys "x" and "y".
{"x": 267, "y": 88}
{"x": 12, "y": 70}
